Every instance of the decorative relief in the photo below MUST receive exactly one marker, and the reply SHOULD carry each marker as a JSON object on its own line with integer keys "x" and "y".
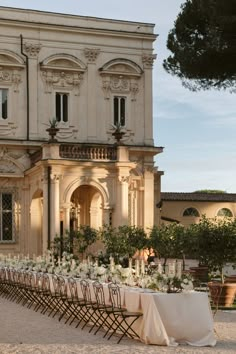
{"x": 91, "y": 54}
{"x": 148, "y": 60}
{"x": 120, "y": 76}
{"x": 9, "y": 165}
{"x": 62, "y": 71}
{"x": 32, "y": 49}
{"x": 124, "y": 179}
{"x": 11, "y": 77}
{"x": 55, "y": 177}
{"x": 120, "y": 84}
{"x": 7, "y": 128}
{"x": 69, "y": 80}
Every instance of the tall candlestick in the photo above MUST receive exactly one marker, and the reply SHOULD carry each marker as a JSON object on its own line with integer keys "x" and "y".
{"x": 179, "y": 269}
{"x": 137, "y": 268}
{"x": 130, "y": 263}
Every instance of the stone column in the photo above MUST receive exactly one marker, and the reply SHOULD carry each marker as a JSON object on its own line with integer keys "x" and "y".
{"x": 66, "y": 219}
{"x": 148, "y": 197}
{"x": 107, "y": 211}
{"x": 55, "y": 205}
{"x": 45, "y": 208}
{"x": 148, "y": 60}
{"x": 91, "y": 55}
{"x": 122, "y": 205}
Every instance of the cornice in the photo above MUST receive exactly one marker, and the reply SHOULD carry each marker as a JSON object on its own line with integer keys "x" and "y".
{"x": 77, "y": 29}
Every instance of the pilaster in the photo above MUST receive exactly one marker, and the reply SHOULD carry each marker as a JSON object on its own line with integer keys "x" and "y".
{"x": 32, "y": 50}
{"x": 91, "y": 54}
{"x": 148, "y": 60}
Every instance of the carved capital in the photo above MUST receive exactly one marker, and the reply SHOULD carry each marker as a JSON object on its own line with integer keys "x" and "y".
{"x": 123, "y": 179}
{"x": 55, "y": 177}
{"x": 148, "y": 60}
{"x": 91, "y": 54}
{"x": 32, "y": 49}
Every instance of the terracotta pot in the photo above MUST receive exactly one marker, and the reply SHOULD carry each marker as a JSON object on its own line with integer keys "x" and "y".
{"x": 222, "y": 294}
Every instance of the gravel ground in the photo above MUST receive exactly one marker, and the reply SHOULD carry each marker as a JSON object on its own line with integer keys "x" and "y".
{"x": 24, "y": 331}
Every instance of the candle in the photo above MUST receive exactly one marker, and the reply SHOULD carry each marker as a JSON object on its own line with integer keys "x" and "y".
{"x": 137, "y": 268}
{"x": 159, "y": 268}
{"x": 171, "y": 269}
{"x": 142, "y": 267}
{"x": 130, "y": 263}
{"x": 111, "y": 264}
{"x": 179, "y": 269}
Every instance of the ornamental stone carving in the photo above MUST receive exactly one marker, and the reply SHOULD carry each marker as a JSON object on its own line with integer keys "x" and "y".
{"x": 62, "y": 71}
{"x": 9, "y": 165}
{"x": 69, "y": 80}
{"x": 121, "y": 85}
{"x": 32, "y": 49}
{"x": 120, "y": 76}
{"x": 124, "y": 179}
{"x": 11, "y": 77}
{"x": 148, "y": 60}
{"x": 91, "y": 54}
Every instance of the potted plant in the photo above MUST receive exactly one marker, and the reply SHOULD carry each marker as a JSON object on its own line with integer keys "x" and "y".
{"x": 118, "y": 133}
{"x": 52, "y": 130}
{"x": 217, "y": 248}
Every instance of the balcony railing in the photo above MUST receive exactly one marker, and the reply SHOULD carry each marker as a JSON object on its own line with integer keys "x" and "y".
{"x": 85, "y": 152}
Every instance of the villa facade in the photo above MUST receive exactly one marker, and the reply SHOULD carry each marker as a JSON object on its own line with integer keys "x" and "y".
{"x": 93, "y": 78}
{"x": 189, "y": 208}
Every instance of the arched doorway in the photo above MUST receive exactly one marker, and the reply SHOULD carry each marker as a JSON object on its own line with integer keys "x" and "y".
{"x": 36, "y": 221}
{"x": 86, "y": 207}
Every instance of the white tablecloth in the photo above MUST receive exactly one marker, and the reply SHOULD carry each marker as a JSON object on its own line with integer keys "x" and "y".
{"x": 168, "y": 319}
{"x": 171, "y": 319}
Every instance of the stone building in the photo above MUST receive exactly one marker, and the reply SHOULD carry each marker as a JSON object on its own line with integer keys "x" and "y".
{"x": 93, "y": 78}
{"x": 188, "y": 208}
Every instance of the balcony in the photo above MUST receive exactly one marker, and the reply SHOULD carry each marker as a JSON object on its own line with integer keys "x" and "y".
{"x": 88, "y": 152}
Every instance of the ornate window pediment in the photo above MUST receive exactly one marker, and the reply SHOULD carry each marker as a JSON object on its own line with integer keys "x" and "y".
{"x": 62, "y": 71}
{"x": 10, "y": 66}
{"x": 120, "y": 76}
{"x": 9, "y": 166}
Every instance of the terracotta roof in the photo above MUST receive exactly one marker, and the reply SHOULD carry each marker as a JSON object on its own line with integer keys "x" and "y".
{"x": 198, "y": 197}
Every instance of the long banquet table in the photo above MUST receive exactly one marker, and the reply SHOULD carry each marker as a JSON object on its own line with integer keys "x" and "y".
{"x": 170, "y": 319}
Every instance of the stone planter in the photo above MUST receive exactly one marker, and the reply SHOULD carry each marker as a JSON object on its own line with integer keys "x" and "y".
{"x": 52, "y": 133}
{"x": 222, "y": 294}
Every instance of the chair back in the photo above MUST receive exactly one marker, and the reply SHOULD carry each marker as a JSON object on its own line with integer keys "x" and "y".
{"x": 99, "y": 293}
{"x": 73, "y": 288}
{"x": 55, "y": 284}
{"x": 46, "y": 283}
{"x": 114, "y": 292}
{"x": 62, "y": 286}
{"x": 85, "y": 288}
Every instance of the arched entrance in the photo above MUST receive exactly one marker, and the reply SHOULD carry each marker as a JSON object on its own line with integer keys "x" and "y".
{"x": 86, "y": 207}
{"x": 36, "y": 222}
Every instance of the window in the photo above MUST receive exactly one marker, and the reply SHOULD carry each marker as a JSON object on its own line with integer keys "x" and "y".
{"x": 6, "y": 217}
{"x": 119, "y": 110}
{"x": 3, "y": 103}
{"x": 191, "y": 212}
{"x": 225, "y": 212}
{"x": 62, "y": 107}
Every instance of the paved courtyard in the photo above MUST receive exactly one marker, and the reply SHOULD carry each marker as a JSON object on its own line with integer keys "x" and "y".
{"x": 24, "y": 331}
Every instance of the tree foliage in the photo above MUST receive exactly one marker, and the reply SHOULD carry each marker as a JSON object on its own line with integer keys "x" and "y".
{"x": 203, "y": 45}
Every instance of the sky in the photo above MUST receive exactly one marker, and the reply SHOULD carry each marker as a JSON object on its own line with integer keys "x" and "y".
{"x": 197, "y": 130}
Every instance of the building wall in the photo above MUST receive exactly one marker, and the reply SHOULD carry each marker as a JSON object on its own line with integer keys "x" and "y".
{"x": 91, "y": 60}
{"x": 175, "y": 209}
